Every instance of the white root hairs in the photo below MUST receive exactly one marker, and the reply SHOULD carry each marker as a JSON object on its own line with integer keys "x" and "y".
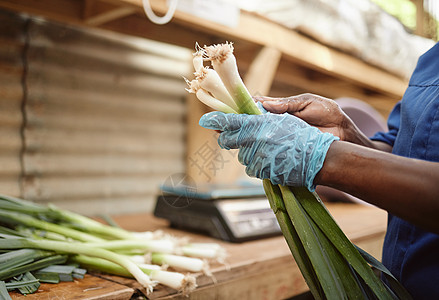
{"x": 188, "y": 285}
{"x": 193, "y": 85}
{"x": 219, "y": 52}
{"x": 200, "y": 74}
{"x": 206, "y": 268}
{"x": 150, "y": 286}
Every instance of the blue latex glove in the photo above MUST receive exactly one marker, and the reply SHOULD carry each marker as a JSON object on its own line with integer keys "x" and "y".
{"x": 279, "y": 147}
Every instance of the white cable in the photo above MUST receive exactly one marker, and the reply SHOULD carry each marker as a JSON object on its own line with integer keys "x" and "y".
{"x": 156, "y": 19}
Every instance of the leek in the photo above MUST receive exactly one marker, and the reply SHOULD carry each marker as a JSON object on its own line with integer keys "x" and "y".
{"x": 26, "y": 284}
{"x": 13, "y": 218}
{"x": 40, "y": 237}
{"x": 331, "y": 265}
{"x": 79, "y": 248}
{"x": 4, "y": 295}
{"x": 55, "y": 215}
{"x": 179, "y": 262}
{"x": 175, "y": 280}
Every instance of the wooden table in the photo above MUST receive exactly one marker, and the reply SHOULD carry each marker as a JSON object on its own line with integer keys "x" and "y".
{"x": 261, "y": 269}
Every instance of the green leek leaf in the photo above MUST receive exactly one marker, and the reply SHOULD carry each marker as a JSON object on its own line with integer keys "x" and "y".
{"x": 318, "y": 212}
{"x": 294, "y": 243}
{"x": 328, "y": 277}
{"x": 56, "y": 259}
{"x": 395, "y": 285}
{"x": 28, "y": 284}
{"x": 4, "y": 295}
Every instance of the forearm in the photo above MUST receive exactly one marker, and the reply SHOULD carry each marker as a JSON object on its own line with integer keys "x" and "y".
{"x": 405, "y": 187}
{"x": 354, "y": 135}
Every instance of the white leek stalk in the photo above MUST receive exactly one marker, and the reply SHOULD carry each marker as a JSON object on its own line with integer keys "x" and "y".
{"x": 224, "y": 63}
{"x": 210, "y": 81}
{"x": 175, "y": 280}
{"x": 205, "y": 250}
{"x": 181, "y": 262}
{"x": 206, "y": 98}
{"x": 162, "y": 246}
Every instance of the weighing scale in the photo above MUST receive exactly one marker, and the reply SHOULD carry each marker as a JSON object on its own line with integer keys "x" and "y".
{"x": 232, "y": 213}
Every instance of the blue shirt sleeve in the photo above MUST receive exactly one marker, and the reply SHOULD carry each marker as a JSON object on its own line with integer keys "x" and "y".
{"x": 393, "y": 123}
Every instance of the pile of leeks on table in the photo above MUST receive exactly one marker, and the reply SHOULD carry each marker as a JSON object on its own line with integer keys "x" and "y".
{"x": 331, "y": 265}
{"x": 43, "y": 243}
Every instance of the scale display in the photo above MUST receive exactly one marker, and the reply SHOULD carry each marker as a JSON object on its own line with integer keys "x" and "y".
{"x": 246, "y": 218}
{"x": 234, "y": 214}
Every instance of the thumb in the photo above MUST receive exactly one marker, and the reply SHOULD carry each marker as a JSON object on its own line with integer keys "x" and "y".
{"x": 217, "y": 120}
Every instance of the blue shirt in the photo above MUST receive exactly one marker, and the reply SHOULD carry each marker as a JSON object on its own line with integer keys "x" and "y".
{"x": 411, "y": 253}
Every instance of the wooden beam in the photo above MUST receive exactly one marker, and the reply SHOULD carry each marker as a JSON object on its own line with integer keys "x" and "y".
{"x": 420, "y": 17}
{"x": 262, "y": 70}
{"x": 59, "y": 10}
{"x": 292, "y": 45}
{"x": 97, "y": 12}
{"x": 330, "y": 87}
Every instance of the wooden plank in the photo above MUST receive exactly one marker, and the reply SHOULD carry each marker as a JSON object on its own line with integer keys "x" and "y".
{"x": 85, "y": 187}
{"x": 10, "y": 164}
{"x": 420, "y": 17}
{"x": 108, "y": 205}
{"x": 91, "y": 287}
{"x": 10, "y": 185}
{"x": 59, "y": 10}
{"x": 10, "y": 138}
{"x": 100, "y": 165}
{"x": 97, "y": 13}
{"x": 328, "y": 86}
{"x": 262, "y": 70}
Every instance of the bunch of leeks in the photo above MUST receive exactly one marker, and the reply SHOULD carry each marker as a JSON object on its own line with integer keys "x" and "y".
{"x": 331, "y": 265}
{"x": 47, "y": 235}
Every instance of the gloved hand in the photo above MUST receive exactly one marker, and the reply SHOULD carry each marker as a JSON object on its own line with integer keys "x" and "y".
{"x": 282, "y": 148}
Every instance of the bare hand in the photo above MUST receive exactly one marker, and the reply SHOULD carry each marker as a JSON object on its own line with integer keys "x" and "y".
{"x": 321, "y": 112}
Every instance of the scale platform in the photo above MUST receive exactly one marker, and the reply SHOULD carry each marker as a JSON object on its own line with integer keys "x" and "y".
{"x": 230, "y": 213}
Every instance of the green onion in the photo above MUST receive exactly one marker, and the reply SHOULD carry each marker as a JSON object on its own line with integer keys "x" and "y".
{"x": 80, "y": 248}
{"x": 47, "y": 277}
{"x": 12, "y": 285}
{"x": 205, "y": 250}
{"x": 14, "y": 218}
{"x": 57, "y": 215}
{"x": 42, "y": 263}
{"x": 40, "y": 237}
{"x": 21, "y": 257}
{"x": 163, "y": 246}
{"x": 4, "y": 295}
{"x": 224, "y": 63}
{"x": 205, "y": 97}
{"x": 25, "y": 287}
{"x": 175, "y": 280}
{"x": 181, "y": 262}
{"x": 65, "y": 273}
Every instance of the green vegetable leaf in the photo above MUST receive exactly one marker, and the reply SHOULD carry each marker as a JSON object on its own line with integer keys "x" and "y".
{"x": 320, "y": 215}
